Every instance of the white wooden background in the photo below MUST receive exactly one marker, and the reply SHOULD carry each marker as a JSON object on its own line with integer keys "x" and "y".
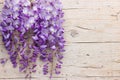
{"x": 92, "y": 32}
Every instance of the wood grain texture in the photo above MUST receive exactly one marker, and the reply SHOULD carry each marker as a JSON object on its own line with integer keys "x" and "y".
{"x": 92, "y": 32}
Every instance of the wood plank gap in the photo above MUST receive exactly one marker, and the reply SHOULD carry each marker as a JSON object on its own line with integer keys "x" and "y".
{"x": 29, "y": 78}
{"x": 107, "y": 42}
{"x": 96, "y": 42}
{"x": 69, "y": 76}
{"x": 97, "y": 76}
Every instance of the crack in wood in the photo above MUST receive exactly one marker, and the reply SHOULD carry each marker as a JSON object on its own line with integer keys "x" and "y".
{"x": 93, "y": 67}
{"x": 83, "y": 28}
{"x": 72, "y": 8}
{"x": 116, "y": 15}
{"x": 116, "y": 61}
{"x": 72, "y": 66}
{"x": 1, "y": 2}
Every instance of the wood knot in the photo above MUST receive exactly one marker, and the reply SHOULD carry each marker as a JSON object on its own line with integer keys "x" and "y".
{"x": 74, "y": 33}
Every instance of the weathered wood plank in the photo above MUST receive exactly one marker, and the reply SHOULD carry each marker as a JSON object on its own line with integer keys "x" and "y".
{"x": 85, "y": 59}
{"x": 93, "y": 31}
{"x": 96, "y": 26}
{"x": 94, "y": 4}
{"x": 70, "y": 78}
{"x": 98, "y": 33}
{"x": 86, "y": 4}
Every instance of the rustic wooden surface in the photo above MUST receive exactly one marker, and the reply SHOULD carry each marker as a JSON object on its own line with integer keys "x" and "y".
{"x": 92, "y": 32}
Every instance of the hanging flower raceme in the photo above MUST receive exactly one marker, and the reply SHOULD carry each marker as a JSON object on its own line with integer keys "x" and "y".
{"x": 31, "y": 30}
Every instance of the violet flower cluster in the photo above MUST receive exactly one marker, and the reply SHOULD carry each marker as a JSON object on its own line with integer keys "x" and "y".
{"x": 31, "y": 30}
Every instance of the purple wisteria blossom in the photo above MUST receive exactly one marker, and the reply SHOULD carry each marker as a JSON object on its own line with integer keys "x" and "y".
{"x": 31, "y": 30}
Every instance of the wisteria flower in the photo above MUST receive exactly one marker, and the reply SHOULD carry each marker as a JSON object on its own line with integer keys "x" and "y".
{"x": 31, "y": 30}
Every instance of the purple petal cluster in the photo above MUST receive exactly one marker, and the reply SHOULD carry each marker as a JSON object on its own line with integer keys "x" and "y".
{"x": 31, "y": 30}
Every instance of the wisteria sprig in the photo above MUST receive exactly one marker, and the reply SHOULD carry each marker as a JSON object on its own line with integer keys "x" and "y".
{"x": 31, "y": 30}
